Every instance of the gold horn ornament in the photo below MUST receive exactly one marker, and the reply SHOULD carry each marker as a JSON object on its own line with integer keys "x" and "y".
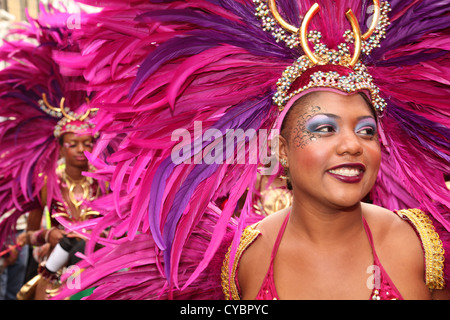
{"x": 303, "y": 30}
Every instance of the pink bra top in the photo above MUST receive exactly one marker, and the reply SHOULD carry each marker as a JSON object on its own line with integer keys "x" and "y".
{"x": 384, "y": 288}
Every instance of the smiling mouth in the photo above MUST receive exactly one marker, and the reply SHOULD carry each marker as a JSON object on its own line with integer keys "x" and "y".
{"x": 348, "y": 173}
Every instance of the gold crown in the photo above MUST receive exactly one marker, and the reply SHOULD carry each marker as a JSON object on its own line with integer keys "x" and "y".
{"x": 356, "y": 77}
{"x": 69, "y": 120}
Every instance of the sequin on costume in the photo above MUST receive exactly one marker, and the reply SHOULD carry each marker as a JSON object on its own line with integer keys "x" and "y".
{"x": 384, "y": 288}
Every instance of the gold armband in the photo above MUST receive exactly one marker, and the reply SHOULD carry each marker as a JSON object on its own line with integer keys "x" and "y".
{"x": 432, "y": 246}
{"x": 229, "y": 286}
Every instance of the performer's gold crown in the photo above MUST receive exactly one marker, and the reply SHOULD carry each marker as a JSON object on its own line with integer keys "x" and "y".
{"x": 325, "y": 68}
{"x": 69, "y": 120}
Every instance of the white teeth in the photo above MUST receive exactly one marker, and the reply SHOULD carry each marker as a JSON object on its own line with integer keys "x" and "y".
{"x": 349, "y": 172}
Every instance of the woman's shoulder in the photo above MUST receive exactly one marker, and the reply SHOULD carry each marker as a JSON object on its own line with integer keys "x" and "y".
{"x": 270, "y": 225}
{"x": 266, "y": 231}
{"x": 390, "y": 229}
{"x": 399, "y": 249}
{"x": 252, "y": 258}
{"x": 398, "y": 226}
{"x": 385, "y": 224}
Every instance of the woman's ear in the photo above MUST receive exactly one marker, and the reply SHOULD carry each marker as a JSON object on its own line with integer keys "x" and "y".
{"x": 283, "y": 158}
{"x": 283, "y": 151}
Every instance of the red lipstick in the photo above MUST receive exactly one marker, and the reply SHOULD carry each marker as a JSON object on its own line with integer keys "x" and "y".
{"x": 348, "y": 172}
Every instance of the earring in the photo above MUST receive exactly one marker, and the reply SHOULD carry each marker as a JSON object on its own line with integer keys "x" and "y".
{"x": 285, "y": 175}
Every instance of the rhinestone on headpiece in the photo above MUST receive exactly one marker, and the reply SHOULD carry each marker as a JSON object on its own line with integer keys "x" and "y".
{"x": 69, "y": 120}
{"x": 346, "y": 72}
{"x": 272, "y": 22}
{"x": 357, "y": 80}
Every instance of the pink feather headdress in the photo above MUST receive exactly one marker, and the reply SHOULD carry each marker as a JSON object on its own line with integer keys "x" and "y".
{"x": 30, "y": 85}
{"x": 204, "y": 67}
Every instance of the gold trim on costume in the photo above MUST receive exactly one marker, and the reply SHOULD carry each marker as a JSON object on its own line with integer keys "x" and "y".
{"x": 432, "y": 246}
{"x": 229, "y": 286}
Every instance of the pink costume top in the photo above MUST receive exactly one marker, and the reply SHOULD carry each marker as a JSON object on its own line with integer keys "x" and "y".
{"x": 383, "y": 286}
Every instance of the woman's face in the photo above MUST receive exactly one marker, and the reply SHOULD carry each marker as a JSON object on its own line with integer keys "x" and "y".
{"x": 73, "y": 149}
{"x": 331, "y": 148}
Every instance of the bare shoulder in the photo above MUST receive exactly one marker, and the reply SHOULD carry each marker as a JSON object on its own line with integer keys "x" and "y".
{"x": 388, "y": 226}
{"x": 391, "y": 230}
{"x": 399, "y": 249}
{"x": 255, "y": 260}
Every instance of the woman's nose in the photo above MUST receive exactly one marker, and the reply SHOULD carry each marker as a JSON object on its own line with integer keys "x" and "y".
{"x": 349, "y": 143}
{"x": 80, "y": 147}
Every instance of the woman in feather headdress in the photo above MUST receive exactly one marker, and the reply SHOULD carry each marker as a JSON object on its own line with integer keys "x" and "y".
{"x": 49, "y": 128}
{"x": 174, "y": 78}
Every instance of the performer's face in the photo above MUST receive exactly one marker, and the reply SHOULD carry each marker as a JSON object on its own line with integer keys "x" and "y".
{"x": 73, "y": 148}
{"x": 330, "y": 141}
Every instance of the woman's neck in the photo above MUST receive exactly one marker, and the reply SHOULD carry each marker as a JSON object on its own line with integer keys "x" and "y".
{"x": 75, "y": 173}
{"x": 323, "y": 225}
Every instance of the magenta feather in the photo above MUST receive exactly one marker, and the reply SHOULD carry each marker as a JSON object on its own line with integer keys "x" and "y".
{"x": 159, "y": 66}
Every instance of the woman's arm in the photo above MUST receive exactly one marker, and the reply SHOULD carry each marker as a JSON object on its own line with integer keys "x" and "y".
{"x": 35, "y": 235}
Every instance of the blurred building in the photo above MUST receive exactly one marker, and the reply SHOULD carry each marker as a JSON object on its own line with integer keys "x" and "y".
{"x": 12, "y": 11}
{"x": 16, "y": 8}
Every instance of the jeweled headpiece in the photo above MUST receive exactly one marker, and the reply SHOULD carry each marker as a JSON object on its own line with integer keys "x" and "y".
{"x": 69, "y": 120}
{"x": 325, "y": 68}
{"x": 212, "y": 63}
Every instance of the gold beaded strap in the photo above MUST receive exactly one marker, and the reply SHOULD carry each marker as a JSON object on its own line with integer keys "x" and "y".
{"x": 229, "y": 286}
{"x": 432, "y": 246}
